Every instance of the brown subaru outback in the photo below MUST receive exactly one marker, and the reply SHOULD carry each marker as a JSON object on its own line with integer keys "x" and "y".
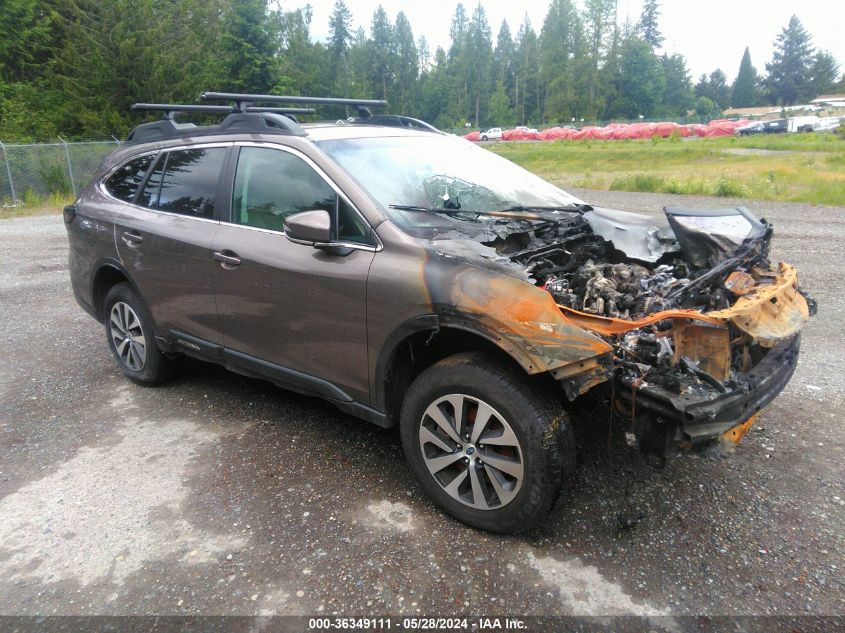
{"x": 413, "y": 279}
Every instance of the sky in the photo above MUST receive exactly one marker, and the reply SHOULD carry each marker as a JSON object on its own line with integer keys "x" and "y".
{"x": 710, "y": 34}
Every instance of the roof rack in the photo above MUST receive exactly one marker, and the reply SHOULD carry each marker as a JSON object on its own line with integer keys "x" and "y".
{"x": 247, "y": 117}
{"x": 170, "y": 110}
{"x": 245, "y": 101}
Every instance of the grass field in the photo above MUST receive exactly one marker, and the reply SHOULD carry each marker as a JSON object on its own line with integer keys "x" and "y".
{"x": 791, "y": 168}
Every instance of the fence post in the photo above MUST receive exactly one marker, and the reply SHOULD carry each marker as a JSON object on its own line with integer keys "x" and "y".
{"x": 9, "y": 172}
{"x": 69, "y": 168}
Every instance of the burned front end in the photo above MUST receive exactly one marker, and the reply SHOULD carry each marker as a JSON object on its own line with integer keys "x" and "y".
{"x": 704, "y": 329}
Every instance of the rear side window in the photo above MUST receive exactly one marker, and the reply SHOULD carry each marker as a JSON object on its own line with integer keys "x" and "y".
{"x": 185, "y": 182}
{"x": 124, "y": 182}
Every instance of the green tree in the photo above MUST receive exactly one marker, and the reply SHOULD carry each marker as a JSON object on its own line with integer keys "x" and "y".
{"x": 340, "y": 37}
{"x": 248, "y": 51}
{"x": 648, "y": 26}
{"x": 679, "y": 97}
{"x": 720, "y": 92}
{"x": 501, "y": 113}
{"x": 382, "y": 53}
{"x": 504, "y": 59}
{"x": 789, "y": 77}
{"x": 559, "y": 39}
{"x": 436, "y": 92}
{"x": 459, "y": 64}
{"x": 527, "y": 82}
{"x": 715, "y": 88}
{"x": 600, "y": 26}
{"x": 705, "y": 107}
{"x": 480, "y": 42}
{"x": 407, "y": 64}
{"x": 641, "y": 82}
{"x": 824, "y": 73}
{"x": 744, "y": 93}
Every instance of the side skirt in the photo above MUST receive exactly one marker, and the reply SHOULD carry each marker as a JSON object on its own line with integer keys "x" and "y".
{"x": 284, "y": 377}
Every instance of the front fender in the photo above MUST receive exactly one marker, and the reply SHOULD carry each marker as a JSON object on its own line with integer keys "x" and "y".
{"x": 519, "y": 317}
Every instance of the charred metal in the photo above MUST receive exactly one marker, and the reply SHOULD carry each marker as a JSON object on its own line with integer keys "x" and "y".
{"x": 703, "y": 328}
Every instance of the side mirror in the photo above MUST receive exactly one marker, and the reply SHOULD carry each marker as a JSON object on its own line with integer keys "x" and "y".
{"x": 309, "y": 227}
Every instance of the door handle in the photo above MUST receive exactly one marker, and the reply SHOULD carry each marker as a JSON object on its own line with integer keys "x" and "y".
{"x": 132, "y": 238}
{"x": 227, "y": 259}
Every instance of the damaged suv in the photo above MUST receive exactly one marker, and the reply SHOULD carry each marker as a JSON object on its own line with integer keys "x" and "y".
{"x": 414, "y": 279}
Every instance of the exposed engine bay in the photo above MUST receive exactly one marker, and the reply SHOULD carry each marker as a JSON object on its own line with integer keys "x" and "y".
{"x": 690, "y": 305}
{"x": 594, "y": 264}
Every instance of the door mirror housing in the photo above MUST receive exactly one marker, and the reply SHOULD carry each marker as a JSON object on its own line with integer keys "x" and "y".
{"x": 309, "y": 227}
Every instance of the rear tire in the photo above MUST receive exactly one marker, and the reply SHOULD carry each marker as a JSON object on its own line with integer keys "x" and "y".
{"x": 503, "y": 476}
{"x": 131, "y": 339}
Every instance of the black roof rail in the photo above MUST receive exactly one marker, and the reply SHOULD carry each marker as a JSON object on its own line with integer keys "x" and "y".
{"x": 398, "y": 120}
{"x": 260, "y": 121}
{"x": 243, "y": 101}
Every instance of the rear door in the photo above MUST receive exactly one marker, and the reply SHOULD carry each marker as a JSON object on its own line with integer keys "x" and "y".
{"x": 291, "y": 308}
{"x": 164, "y": 239}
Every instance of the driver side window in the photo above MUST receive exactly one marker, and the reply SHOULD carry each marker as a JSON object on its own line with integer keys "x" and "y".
{"x": 271, "y": 185}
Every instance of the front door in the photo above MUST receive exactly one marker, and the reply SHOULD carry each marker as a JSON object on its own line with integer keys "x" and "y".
{"x": 287, "y": 305}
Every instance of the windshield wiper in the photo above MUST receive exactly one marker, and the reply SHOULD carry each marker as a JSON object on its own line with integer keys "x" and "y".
{"x": 575, "y": 206}
{"x": 442, "y": 210}
{"x": 537, "y": 214}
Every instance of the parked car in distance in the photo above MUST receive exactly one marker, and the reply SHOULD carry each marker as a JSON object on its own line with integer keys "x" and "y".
{"x": 415, "y": 279}
{"x": 751, "y": 128}
{"x": 524, "y": 128}
{"x": 777, "y": 126}
{"x": 493, "y": 134}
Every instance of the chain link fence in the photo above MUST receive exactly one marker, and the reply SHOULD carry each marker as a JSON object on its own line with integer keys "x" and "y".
{"x": 30, "y": 173}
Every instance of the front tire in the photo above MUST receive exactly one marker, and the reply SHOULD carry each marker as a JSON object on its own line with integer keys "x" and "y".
{"x": 130, "y": 336}
{"x": 488, "y": 447}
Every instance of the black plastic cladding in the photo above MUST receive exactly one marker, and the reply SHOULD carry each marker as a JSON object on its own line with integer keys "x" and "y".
{"x": 261, "y": 122}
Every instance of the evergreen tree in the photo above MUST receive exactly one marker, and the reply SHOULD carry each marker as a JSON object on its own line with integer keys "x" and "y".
{"x": 789, "y": 77}
{"x": 504, "y": 58}
{"x": 340, "y": 36}
{"x": 600, "y": 23}
{"x": 424, "y": 54}
{"x": 480, "y": 42}
{"x": 558, "y": 42}
{"x": 744, "y": 91}
{"x": 436, "y": 92}
{"x": 526, "y": 88}
{"x": 824, "y": 73}
{"x": 382, "y": 53}
{"x": 501, "y": 113}
{"x": 679, "y": 97}
{"x": 641, "y": 82}
{"x": 248, "y": 57}
{"x": 648, "y": 27}
{"x": 459, "y": 62}
{"x": 720, "y": 93}
{"x": 407, "y": 64}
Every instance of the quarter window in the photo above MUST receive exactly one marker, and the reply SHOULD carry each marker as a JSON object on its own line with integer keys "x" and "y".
{"x": 185, "y": 182}
{"x": 124, "y": 182}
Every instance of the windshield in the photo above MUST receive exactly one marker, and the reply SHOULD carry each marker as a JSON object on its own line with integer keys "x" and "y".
{"x": 439, "y": 172}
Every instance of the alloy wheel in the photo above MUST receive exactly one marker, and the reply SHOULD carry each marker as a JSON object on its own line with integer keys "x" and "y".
{"x": 471, "y": 451}
{"x": 128, "y": 336}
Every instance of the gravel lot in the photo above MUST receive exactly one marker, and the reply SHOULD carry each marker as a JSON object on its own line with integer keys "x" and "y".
{"x": 217, "y": 494}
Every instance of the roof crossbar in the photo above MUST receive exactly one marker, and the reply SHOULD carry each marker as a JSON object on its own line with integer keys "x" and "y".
{"x": 244, "y": 101}
{"x": 170, "y": 110}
